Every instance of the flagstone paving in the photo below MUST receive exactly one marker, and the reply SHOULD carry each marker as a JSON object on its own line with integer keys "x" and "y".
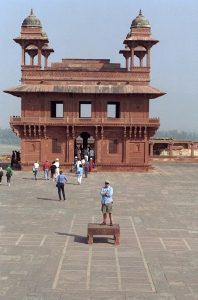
{"x": 43, "y": 247}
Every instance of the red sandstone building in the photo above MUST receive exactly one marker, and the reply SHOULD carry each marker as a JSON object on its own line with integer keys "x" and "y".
{"x": 89, "y": 101}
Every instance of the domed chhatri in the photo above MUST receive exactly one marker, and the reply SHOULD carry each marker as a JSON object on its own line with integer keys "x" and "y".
{"x": 31, "y": 21}
{"x": 140, "y": 21}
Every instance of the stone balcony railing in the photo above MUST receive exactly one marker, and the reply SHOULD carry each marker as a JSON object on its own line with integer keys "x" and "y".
{"x": 17, "y": 120}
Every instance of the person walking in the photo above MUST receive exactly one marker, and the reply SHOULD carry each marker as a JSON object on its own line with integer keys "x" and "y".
{"x": 86, "y": 168}
{"x": 107, "y": 202}
{"x": 46, "y": 167}
{"x": 57, "y": 164}
{"x": 8, "y": 175}
{"x": 61, "y": 179}
{"x": 79, "y": 173}
{"x": 36, "y": 169}
{"x": 1, "y": 174}
{"x": 53, "y": 170}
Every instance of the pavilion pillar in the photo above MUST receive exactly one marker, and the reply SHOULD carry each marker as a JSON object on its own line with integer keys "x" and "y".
{"x": 192, "y": 149}
{"x": 124, "y": 147}
{"x": 148, "y": 58}
{"x": 39, "y": 57}
{"x": 67, "y": 149}
{"x": 127, "y": 63}
{"x": 146, "y": 150}
{"x": 132, "y": 58}
{"x": 98, "y": 144}
{"x": 170, "y": 149}
{"x": 151, "y": 149}
{"x": 23, "y": 57}
{"x": 46, "y": 61}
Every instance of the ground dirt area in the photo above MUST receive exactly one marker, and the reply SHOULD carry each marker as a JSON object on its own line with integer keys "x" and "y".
{"x": 43, "y": 242}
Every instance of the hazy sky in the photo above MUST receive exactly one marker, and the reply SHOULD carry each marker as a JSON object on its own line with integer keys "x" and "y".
{"x": 96, "y": 29}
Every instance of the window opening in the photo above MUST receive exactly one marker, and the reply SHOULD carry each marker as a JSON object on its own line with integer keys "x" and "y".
{"x": 113, "y": 110}
{"x": 56, "y": 109}
{"x": 113, "y": 146}
{"x": 85, "y": 109}
{"x": 56, "y": 146}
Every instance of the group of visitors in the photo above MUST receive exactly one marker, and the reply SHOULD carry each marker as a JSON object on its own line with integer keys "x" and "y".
{"x": 80, "y": 166}
{"x": 15, "y": 158}
{"x": 9, "y": 173}
{"x": 47, "y": 168}
{"x": 81, "y": 152}
{"x": 58, "y": 176}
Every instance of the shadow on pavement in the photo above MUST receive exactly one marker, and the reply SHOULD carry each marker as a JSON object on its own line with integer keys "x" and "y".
{"x": 49, "y": 199}
{"x": 83, "y": 239}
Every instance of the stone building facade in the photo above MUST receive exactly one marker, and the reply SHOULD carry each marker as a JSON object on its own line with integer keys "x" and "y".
{"x": 101, "y": 104}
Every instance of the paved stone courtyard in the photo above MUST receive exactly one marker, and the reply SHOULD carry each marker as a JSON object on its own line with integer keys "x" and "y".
{"x": 43, "y": 249}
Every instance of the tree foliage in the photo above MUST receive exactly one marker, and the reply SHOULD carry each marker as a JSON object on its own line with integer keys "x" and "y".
{"x": 177, "y": 135}
{"x": 7, "y": 137}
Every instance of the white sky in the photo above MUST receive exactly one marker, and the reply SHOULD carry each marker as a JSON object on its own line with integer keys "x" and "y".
{"x": 96, "y": 29}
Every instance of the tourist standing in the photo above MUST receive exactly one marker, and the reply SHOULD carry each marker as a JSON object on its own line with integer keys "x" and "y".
{"x": 86, "y": 168}
{"x": 79, "y": 173}
{"x": 61, "y": 179}
{"x": 36, "y": 169}
{"x": 1, "y": 174}
{"x": 53, "y": 170}
{"x": 107, "y": 202}
{"x": 91, "y": 164}
{"x": 57, "y": 164}
{"x": 46, "y": 167}
{"x": 8, "y": 175}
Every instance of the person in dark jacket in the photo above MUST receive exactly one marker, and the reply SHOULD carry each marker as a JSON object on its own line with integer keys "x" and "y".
{"x": 1, "y": 174}
{"x": 53, "y": 170}
{"x": 61, "y": 179}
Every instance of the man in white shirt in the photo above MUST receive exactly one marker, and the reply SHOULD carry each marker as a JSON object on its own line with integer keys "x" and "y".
{"x": 57, "y": 164}
{"x": 36, "y": 169}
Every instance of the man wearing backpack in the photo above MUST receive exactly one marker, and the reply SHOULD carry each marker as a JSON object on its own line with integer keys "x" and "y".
{"x": 8, "y": 174}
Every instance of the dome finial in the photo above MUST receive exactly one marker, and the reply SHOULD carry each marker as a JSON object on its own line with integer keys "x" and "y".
{"x": 140, "y": 12}
{"x": 31, "y": 20}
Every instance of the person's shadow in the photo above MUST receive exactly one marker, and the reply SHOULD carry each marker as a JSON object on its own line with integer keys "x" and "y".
{"x": 77, "y": 238}
{"x": 83, "y": 239}
{"x": 49, "y": 199}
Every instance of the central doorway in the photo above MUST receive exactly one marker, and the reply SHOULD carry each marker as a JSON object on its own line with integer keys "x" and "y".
{"x": 84, "y": 144}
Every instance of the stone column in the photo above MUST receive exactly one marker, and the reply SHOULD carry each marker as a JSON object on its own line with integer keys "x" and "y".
{"x": 124, "y": 147}
{"x": 127, "y": 63}
{"x": 39, "y": 57}
{"x": 23, "y": 57}
{"x": 132, "y": 58}
{"x": 146, "y": 151}
{"x": 148, "y": 58}
{"x": 151, "y": 149}
{"x": 192, "y": 149}
{"x": 171, "y": 149}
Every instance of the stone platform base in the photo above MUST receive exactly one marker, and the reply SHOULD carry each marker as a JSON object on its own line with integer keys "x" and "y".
{"x": 97, "y": 229}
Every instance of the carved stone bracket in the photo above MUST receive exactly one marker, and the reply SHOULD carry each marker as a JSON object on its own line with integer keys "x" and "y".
{"x": 24, "y": 130}
{"x": 39, "y": 130}
{"x": 102, "y": 132}
{"x": 67, "y": 132}
{"x": 29, "y": 128}
{"x": 140, "y": 132}
{"x": 73, "y": 133}
{"x": 130, "y": 132}
{"x": 125, "y": 132}
{"x": 45, "y": 131}
{"x": 34, "y": 130}
{"x": 96, "y": 132}
{"x": 135, "y": 132}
